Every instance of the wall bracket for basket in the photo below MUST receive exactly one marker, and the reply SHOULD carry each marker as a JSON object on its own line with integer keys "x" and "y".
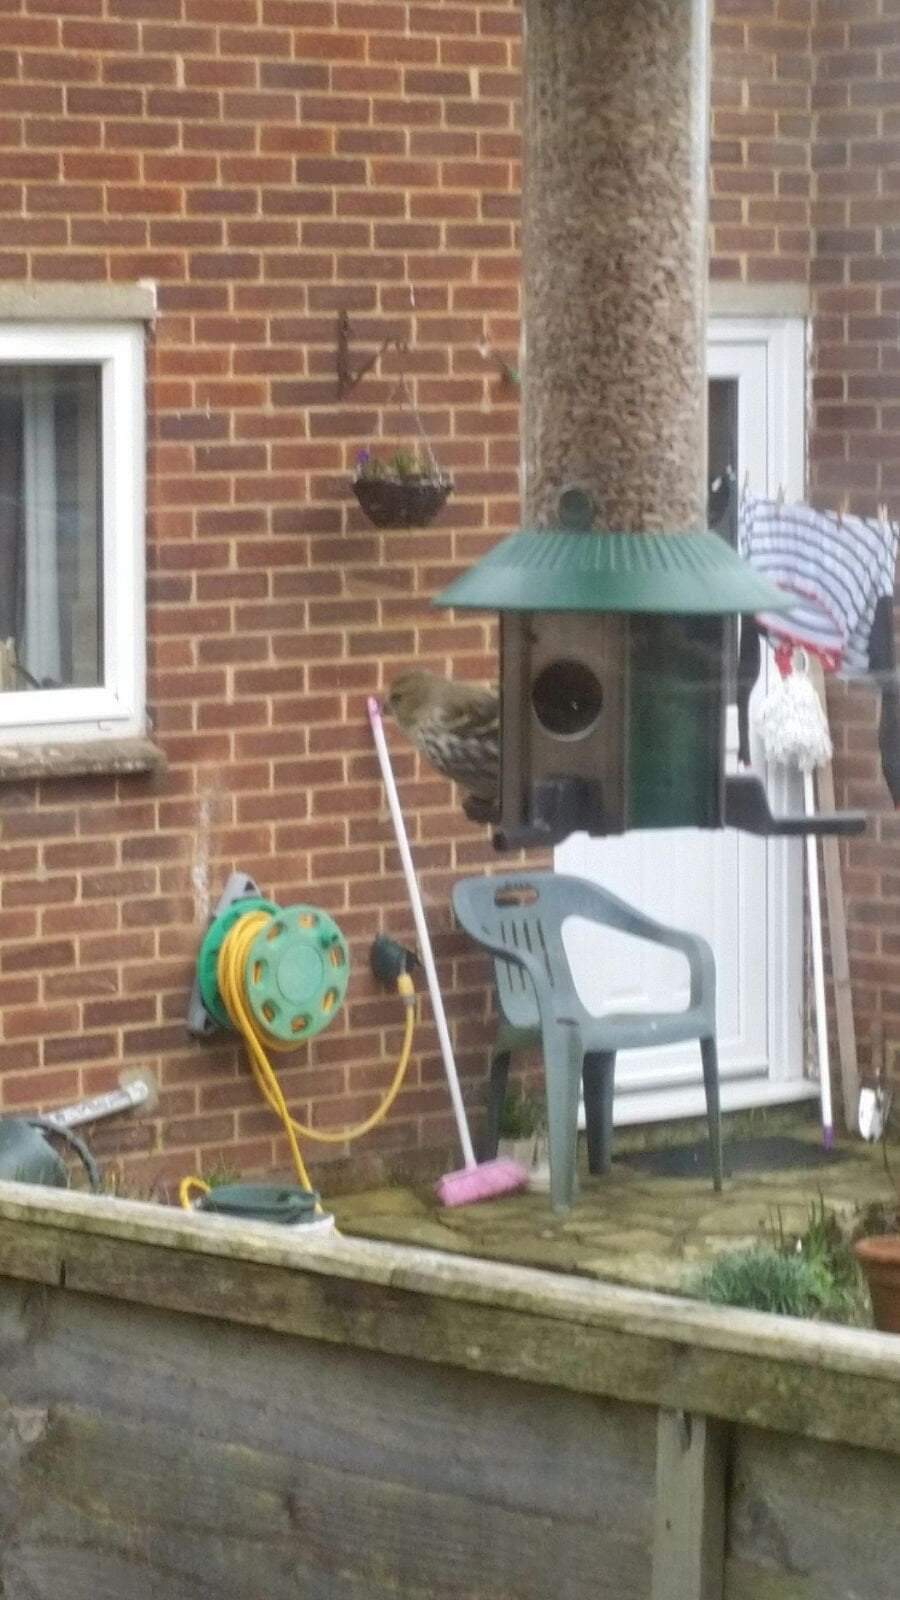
{"x": 347, "y": 379}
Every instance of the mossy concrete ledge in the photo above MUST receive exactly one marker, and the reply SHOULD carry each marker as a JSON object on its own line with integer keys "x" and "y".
{"x": 603, "y": 1339}
{"x": 193, "y": 1407}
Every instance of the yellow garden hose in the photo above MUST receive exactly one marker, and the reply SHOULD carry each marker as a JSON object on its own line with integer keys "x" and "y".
{"x": 186, "y": 1189}
{"x": 230, "y": 972}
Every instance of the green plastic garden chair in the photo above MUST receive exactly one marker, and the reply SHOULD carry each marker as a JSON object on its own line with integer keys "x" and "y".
{"x": 519, "y": 919}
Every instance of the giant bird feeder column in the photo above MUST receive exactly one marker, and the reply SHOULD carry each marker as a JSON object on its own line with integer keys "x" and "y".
{"x": 612, "y": 676}
{"x": 612, "y": 689}
{"x": 615, "y": 260}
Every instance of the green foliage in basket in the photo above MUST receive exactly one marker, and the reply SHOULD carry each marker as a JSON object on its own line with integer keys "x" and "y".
{"x": 403, "y": 464}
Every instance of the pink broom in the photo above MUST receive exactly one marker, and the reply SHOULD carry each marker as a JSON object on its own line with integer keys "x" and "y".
{"x": 473, "y": 1181}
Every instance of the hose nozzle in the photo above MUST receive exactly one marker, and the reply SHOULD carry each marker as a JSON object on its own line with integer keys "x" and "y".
{"x": 389, "y": 960}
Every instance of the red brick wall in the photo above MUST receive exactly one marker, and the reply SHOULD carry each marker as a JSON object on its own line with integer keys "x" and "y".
{"x": 269, "y": 162}
{"x": 855, "y": 423}
{"x": 806, "y": 187}
{"x": 761, "y": 186}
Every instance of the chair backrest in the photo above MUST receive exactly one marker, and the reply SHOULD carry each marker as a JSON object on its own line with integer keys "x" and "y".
{"x": 516, "y": 917}
{"x": 524, "y": 913}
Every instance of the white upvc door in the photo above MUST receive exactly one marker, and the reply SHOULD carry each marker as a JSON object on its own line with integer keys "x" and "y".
{"x": 743, "y": 894}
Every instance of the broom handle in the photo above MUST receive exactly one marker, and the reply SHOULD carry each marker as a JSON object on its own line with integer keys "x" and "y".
{"x": 409, "y": 872}
{"x": 815, "y": 918}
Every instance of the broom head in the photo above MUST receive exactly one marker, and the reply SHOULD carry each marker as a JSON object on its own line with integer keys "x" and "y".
{"x": 485, "y": 1182}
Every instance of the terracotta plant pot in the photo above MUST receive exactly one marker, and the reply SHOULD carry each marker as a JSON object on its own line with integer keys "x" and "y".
{"x": 410, "y": 502}
{"x": 879, "y": 1258}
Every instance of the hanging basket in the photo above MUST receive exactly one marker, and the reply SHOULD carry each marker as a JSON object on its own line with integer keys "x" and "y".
{"x": 412, "y": 501}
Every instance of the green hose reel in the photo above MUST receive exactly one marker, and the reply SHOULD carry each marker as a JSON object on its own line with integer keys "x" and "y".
{"x": 207, "y": 961}
{"x": 295, "y": 974}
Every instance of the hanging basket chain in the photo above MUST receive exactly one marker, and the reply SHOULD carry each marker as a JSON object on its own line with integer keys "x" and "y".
{"x": 402, "y": 388}
{"x": 420, "y": 429}
{"x": 403, "y": 498}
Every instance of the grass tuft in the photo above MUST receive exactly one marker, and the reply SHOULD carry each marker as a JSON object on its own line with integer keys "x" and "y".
{"x": 811, "y": 1274}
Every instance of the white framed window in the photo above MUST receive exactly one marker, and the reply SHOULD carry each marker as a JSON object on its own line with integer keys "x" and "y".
{"x": 72, "y": 503}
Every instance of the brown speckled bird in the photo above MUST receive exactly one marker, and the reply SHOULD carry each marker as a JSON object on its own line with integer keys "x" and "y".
{"x": 456, "y": 726}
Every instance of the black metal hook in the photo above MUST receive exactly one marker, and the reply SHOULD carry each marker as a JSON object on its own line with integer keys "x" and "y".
{"x": 347, "y": 379}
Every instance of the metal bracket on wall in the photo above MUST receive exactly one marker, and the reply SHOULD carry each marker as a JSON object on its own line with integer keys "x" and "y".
{"x": 239, "y": 887}
{"x": 347, "y": 379}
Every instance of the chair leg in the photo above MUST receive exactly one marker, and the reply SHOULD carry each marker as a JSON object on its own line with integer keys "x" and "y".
{"x": 563, "y": 1058}
{"x": 496, "y": 1096}
{"x": 710, "y": 1058}
{"x": 598, "y": 1076}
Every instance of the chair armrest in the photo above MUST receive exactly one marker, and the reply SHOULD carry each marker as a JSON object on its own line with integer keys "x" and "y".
{"x": 700, "y": 959}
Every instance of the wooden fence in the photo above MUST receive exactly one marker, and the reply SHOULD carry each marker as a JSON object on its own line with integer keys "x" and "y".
{"x": 191, "y": 1409}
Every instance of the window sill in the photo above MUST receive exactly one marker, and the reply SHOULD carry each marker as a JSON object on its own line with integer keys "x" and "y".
{"x": 97, "y": 757}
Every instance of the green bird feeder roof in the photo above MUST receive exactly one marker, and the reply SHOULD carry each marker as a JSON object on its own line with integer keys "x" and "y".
{"x": 679, "y": 573}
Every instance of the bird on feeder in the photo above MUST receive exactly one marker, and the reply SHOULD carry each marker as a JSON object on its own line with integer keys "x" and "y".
{"x": 456, "y": 727}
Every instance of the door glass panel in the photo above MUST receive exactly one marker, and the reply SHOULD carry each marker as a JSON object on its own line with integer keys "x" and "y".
{"x": 724, "y": 466}
{"x": 50, "y": 527}
{"x": 722, "y": 512}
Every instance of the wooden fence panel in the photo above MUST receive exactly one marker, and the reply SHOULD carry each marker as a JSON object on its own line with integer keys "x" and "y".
{"x": 148, "y": 1454}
